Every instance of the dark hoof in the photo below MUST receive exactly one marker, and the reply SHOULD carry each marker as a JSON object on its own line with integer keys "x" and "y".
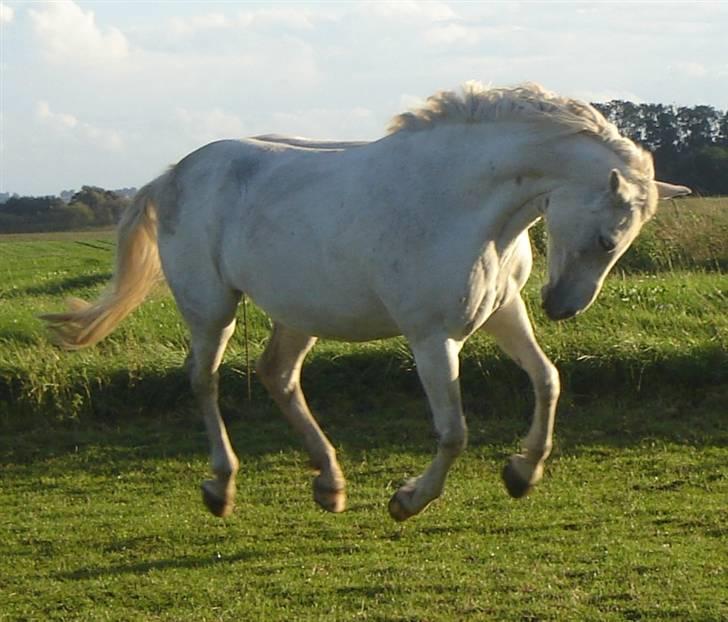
{"x": 331, "y": 500}
{"x": 397, "y": 507}
{"x": 218, "y": 507}
{"x": 516, "y": 485}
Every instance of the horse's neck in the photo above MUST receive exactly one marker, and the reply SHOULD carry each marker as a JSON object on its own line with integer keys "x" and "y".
{"x": 501, "y": 152}
{"x": 503, "y": 173}
{"x": 512, "y": 171}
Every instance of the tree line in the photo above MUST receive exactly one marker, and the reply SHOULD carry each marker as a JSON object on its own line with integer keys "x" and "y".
{"x": 89, "y": 207}
{"x": 689, "y": 144}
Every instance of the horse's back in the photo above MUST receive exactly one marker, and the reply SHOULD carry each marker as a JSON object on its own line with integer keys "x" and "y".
{"x": 267, "y": 220}
{"x": 219, "y": 184}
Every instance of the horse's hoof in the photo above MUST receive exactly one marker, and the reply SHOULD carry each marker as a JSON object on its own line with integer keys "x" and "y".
{"x": 398, "y": 506}
{"x": 218, "y": 506}
{"x": 516, "y": 485}
{"x": 331, "y": 500}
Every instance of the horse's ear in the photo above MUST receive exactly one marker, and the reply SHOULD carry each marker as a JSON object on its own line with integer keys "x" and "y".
{"x": 615, "y": 181}
{"x": 618, "y": 186}
{"x": 670, "y": 191}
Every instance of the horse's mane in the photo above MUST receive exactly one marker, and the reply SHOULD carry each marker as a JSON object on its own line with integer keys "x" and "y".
{"x": 531, "y": 102}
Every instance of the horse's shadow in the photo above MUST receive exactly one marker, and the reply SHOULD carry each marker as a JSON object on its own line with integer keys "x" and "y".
{"x": 142, "y": 568}
{"x": 373, "y": 401}
{"x": 58, "y": 287}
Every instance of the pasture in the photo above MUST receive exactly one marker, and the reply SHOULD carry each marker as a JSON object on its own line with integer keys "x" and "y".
{"x": 102, "y": 452}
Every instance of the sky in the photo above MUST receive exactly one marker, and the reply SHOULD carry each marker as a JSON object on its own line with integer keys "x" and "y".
{"x": 111, "y": 93}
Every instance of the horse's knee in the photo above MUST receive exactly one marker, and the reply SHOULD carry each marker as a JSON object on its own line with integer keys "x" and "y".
{"x": 454, "y": 439}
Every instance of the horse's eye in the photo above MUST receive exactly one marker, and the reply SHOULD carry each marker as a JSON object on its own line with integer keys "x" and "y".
{"x": 608, "y": 244}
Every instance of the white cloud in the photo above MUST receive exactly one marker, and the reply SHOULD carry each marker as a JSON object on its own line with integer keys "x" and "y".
{"x": 340, "y": 123}
{"x": 452, "y": 34}
{"x": 689, "y": 69}
{"x": 409, "y": 9}
{"x": 225, "y": 52}
{"x": 69, "y": 126}
{"x": 261, "y": 19}
{"x": 207, "y": 125}
{"x": 44, "y": 113}
{"x": 195, "y": 23}
{"x": 67, "y": 33}
{"x": 277, "y": 17}
{"x": 6, "y": 13}
{"x": 410, "y": 102}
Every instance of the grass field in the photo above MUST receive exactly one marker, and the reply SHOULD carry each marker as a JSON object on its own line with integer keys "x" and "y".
{"x": 101, "y": 453}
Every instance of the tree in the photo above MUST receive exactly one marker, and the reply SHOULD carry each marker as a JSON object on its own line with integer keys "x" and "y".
{"x": 688, "y": 143}
{"x": 80, "y": 215}
{"x": 20, "y": 214}
{"x": 89, "y": 207}
{"x": 105, "y": 205}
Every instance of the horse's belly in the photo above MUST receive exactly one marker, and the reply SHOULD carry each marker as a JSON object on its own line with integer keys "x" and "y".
{"x": 331, "y": 316}
{"x": 314, "y": 298}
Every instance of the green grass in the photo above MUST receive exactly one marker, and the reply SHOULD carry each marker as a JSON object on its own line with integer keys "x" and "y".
{"x": 105, "y": 523}
{"x": 102, "y": 451}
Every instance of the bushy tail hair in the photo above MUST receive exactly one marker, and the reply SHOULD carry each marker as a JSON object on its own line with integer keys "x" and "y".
{"x": 137, "y": 270}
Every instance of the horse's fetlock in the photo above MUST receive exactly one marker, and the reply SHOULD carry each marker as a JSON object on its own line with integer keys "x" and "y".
{"x": 225, "y": 472}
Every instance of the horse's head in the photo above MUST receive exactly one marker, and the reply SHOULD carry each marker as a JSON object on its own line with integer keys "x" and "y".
{"x": 588, "y": 233}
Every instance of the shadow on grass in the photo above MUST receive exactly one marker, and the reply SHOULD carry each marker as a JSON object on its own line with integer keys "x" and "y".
{"x": 372, "y": 401}
{"x": 19, "y": 336}
{"x": 55, "y": 288}
{"x": 142, "y": 568}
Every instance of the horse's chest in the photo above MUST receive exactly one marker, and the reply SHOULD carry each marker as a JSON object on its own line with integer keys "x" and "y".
{"x": 486, "y": 291}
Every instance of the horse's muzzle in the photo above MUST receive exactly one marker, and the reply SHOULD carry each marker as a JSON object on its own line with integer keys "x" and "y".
{"x": 554, "y": 306}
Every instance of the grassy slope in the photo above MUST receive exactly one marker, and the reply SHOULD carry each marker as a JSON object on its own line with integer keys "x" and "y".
{"x": 100, "y": 513}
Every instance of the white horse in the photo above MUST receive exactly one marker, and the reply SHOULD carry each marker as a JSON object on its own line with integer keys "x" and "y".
{"x": 422, "y": 233}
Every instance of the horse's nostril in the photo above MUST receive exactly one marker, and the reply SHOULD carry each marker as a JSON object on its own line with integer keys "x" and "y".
{"x": 608, "y": 244}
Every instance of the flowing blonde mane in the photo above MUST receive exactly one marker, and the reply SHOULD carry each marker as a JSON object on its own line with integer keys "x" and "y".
{"x": 531, "y": 102}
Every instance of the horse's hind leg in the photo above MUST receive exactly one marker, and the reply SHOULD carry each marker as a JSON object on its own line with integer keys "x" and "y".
{"x": 208, "y": 346}
{"x": 279, "y": 368}
{"x": 209, "y": 311}
{"x": 512, "y": 329}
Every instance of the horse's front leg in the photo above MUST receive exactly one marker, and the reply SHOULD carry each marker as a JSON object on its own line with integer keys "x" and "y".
{"x": 511, "y": 327}
{"x": 438, "y": 368}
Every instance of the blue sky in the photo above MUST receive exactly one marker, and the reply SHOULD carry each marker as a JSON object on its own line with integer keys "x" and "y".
{"x": 110, "y": 93}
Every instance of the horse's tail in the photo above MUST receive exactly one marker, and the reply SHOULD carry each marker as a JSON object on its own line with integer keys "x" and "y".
{"x": 137, "y": 270}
